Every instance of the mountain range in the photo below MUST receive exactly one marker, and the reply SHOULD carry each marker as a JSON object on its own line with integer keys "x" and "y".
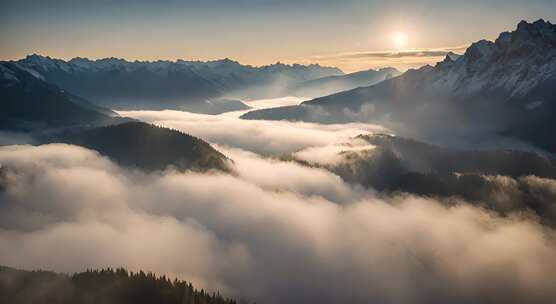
{"x": 194, "y": 86}
{"x": 48, "y": 114}
{"x": 506, "y": 87}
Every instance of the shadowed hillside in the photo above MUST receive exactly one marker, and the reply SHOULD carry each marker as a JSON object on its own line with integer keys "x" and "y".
{"x": 137, "y": 144}
{"x": 504, "y": 181}
{"x": 29, "y": 103}
{"x": 105, "y": 286}
{"x": 427, "y": 158}
{"x": 337, "y": 83}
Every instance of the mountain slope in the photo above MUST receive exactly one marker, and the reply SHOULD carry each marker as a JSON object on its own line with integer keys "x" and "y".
{"x": 185, "y": 85}
{"x": 99, "y": 286}
{"x": 334, "y": 84}
{"x": 140, "y": 145}
{"x": 28, "y": 103}
{"x": 503, "y": 181}
{"x": 427, "y": 158}
{"x": 503, "y": 87}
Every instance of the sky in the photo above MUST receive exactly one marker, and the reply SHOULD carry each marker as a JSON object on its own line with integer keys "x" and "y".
{"x": 351, "y": 34}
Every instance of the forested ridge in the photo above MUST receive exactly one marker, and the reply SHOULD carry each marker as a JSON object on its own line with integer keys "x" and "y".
{"x": 100, "y": 286}
{"x": 146, "y": 146}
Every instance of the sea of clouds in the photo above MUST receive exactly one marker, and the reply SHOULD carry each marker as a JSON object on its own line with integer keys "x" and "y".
{"x": 273, "y": 231}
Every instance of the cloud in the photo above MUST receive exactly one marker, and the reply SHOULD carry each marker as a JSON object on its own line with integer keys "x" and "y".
{"x": 332, "y": 154}
{"x": 403, "y": 60}
{"x": 275, "y": 232}
{"x": 395, "y": 54}
{"x": 276, "y": 175}
{"x": 263, "y": 137}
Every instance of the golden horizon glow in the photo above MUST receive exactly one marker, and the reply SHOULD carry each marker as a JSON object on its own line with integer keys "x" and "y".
{"x": 258, "y": 33}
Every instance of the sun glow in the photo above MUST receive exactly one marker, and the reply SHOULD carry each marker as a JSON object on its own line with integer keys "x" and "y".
{"x": 400, "y": 40}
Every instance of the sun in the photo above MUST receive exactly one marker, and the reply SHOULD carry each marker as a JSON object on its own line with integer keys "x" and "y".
{"x": 400, "y": 40}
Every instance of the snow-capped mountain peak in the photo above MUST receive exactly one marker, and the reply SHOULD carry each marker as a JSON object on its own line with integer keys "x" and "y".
{"x": 514, "y": 64}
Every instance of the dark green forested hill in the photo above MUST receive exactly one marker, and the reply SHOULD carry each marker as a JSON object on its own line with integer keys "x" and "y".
{"x": 107, "y": 286}
{"x": 145, "y": 146}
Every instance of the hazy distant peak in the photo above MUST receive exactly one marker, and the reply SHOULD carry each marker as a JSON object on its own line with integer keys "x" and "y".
{"x": 46, "y": 62}
{"x": 228, "y": 61}
{"x": 448, "y": 62}
{"x": 388, "y": 70}
{"x": 280, "y": 66}
{"x": 81, "y": 62}
{"x": 116, "y": 82}
{"x": 336, "y": 83}
{"x": 37, "y": 58}
{"x": 453, "y": 56}
{"x": 450, "y": 57}
{"x": 425, "y": 68}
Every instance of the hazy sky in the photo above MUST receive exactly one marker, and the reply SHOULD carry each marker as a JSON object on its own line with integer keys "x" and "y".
{"x": 344, "y": 33}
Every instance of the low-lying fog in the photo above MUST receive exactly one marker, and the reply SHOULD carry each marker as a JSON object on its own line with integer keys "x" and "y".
{"x": 275, "y": 231}
{"x": 259, "y": 136}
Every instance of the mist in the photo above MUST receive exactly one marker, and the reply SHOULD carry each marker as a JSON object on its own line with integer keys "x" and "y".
{"x": 274, "y": 232}
{"x": 263, "y": 137}
{"x": 282, "y": 226}
{"x": 241, "y": 152}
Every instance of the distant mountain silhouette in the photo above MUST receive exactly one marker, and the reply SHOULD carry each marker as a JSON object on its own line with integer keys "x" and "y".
{"x": 218, "y": 106}
{"x": 50, "y": 114}
{"x": 183, "y": 85}
{"x": 506, "y": 87}
{"x": 106, "y": 286}
{"x": 28, "y": 103}
{"x": 334, "y": 84}
{"x": 148, "y": 147}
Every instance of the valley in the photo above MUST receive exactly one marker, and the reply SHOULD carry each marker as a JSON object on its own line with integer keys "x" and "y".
{"x": 215, "y": 181}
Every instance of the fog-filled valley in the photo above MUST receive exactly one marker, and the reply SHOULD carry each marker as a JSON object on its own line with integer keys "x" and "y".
{"x": 281, "y": 183}
{"x": 301, "y": 198}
